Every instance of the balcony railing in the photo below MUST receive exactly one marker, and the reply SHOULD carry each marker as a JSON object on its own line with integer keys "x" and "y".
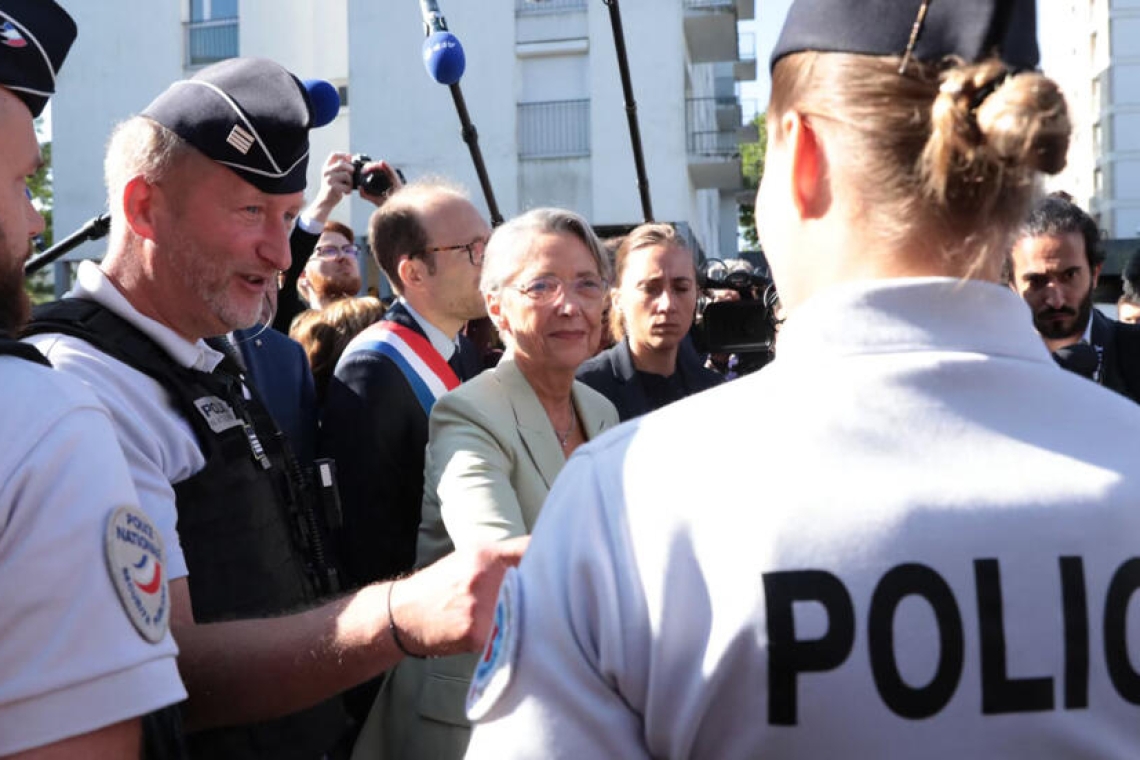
{"x": 526, "y": 7}
{"x": 554, "y": 129}
{"x": 705, "y": 135}
{"x": 211, "y": 41}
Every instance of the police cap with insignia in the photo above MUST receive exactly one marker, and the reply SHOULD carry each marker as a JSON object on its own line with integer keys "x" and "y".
{"x": 250, "y": 115}
{"x": 35, "y": 36}
{"x": 927, "y": 30}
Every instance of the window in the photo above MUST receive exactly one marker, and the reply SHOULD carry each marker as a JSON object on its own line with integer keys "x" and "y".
{"x": 212, "y": 32}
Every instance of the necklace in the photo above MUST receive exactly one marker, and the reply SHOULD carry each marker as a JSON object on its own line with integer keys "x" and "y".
{"x": 564, "y": 438}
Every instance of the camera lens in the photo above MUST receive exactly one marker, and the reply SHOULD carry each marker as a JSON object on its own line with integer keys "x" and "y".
{"x": 375, "y": 183}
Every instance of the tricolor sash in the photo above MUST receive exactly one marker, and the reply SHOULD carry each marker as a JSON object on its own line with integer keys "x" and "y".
{"x": 425, "y": 370}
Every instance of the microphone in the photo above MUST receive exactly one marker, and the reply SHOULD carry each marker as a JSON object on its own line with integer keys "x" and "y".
{"x": 324, "y": 99}
{"x": 444, "y": 58}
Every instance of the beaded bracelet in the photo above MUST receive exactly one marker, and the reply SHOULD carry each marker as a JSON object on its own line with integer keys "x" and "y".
{"x": 392, "y": 627}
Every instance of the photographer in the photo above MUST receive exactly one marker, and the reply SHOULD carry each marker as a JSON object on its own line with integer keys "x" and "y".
{"x": 342, "y": 173}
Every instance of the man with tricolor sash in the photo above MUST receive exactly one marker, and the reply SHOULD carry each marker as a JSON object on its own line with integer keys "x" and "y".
{"x": 428, "y": 239}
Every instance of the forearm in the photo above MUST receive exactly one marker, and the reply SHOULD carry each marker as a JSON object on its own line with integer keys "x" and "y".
{"x": 248, "y": 670}
{"x": 115, "y": 742}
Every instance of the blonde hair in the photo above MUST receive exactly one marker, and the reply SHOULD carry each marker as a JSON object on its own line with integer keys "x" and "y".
{"x": 325, "y": 333}
{"x": 645, "y": 235}
{"x": 949, "y": 152}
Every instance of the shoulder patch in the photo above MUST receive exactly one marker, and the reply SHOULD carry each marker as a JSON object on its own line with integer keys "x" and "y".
{"x": 137, "y": 564}
{"x": 496, "y": 664}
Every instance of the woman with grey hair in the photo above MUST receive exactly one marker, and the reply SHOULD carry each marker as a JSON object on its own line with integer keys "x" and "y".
{"x": 497, "y": 442}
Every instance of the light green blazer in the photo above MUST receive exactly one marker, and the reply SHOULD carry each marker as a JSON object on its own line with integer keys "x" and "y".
{"x": 492, "y": 456}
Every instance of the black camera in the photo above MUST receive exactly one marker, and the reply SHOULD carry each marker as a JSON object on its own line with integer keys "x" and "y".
{"x": 375, "y": 182}
{"x": 746, "y": 326}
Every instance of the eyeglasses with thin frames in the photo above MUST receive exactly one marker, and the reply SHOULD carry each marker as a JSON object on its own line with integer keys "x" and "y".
{"x": 475, "y": 250}
{"x": 589, "y": 289}
{"x": 332, "y": 251}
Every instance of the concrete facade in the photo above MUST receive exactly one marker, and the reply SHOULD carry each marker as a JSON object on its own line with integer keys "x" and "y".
{"x": 1097, "y": 62}
{"x": 525, "y": 61}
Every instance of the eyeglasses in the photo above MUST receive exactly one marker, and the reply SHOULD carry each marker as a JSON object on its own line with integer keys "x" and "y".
{"x": 543, "y": 290}
{"x": 332, "y": 251}
{"x": 475, "y": 250}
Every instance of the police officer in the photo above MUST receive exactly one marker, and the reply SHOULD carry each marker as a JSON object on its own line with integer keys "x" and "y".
{"x": 204, "y": 187}
{"x": 85, "y": 648}
{"x": 911, "y": 553}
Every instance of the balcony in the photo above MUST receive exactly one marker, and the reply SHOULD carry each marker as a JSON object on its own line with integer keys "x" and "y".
{"x": 714, "y": 143}
{"x": 537, "y": 7}
{"x": 211, "y": 41}
{"x": 710, "y": 30}
{"x": 554, "y": 129}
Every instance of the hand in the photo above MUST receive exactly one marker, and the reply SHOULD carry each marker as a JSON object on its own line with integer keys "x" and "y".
{"x": 336, "y": 182}
{"x": 447, "y": 607}
{"x": 393, "y": 179}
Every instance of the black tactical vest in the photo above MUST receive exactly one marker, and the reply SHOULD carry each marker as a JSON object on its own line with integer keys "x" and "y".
{"x": 9, "y": 347}
{"x": 245, "y": 522}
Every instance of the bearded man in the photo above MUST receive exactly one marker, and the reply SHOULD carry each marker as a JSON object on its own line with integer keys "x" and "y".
{"x": 1055, "y": 262}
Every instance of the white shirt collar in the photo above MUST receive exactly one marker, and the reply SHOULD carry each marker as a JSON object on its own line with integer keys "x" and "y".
{"x": 903, "y": 314}
{"x": 93, "y": 284}
{"x": 437, "y": 337}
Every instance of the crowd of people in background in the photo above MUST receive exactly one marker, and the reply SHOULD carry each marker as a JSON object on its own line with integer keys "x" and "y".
{"x": 260, "y": 513}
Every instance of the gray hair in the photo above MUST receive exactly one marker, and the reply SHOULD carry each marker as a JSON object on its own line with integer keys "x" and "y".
{"x": 510, "y": 244}
{"x": 139, "y": 147}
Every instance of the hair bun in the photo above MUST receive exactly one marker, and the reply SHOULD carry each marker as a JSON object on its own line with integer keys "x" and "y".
{"x": 987, "y": 121}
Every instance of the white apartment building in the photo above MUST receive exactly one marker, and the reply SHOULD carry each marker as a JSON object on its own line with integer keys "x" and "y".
{"x": 542, "y": 87}
{"x": 1094, "y": 53}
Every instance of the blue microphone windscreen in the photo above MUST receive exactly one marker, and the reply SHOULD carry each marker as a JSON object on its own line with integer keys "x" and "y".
{"x": 444, "y": 58}
{"x": 325, "y": 100}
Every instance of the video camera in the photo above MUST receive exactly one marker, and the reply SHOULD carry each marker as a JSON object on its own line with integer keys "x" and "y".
{"x": 746, "y": 325}
{"x": 376, "y": 183}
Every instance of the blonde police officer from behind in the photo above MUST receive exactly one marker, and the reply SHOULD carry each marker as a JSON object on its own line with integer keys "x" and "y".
{"x": 926, "y": 553}
{"x": 84, "y": 607}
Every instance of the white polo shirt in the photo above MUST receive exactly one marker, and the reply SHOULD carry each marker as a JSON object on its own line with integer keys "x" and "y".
{"x": 160, "y": 446}
{"x": 71, "y": 661}
{"x": 911, "y": 535}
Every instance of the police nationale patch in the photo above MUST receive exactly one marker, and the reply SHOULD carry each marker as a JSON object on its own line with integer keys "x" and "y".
{"x": 137, "y": 564}
{"x": 496, "y": 665}
{"x": 218, "y": 414}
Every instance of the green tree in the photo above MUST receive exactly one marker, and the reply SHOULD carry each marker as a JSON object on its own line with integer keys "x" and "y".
{"x": 752, "y": 159}
{"x": 40, "y": 186}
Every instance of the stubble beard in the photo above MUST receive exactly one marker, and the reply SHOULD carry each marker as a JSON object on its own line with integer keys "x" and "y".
{"x": 209, "y": 280}
{"x": 15, "y": 306}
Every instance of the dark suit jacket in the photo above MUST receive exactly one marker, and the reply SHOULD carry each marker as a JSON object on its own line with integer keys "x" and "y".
{"x": 277, "y": 366}
{"x": 376, "y": 430}
{"x": 289, "y": 304}
{"x": 1120, "y": 342}
{"x": 612, "y": 374}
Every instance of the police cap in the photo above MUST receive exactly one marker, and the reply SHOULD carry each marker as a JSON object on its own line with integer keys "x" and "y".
{"x": 969, "y": 29}
{"x": 35, "y": 36}
{"x": 250, "y": 115}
